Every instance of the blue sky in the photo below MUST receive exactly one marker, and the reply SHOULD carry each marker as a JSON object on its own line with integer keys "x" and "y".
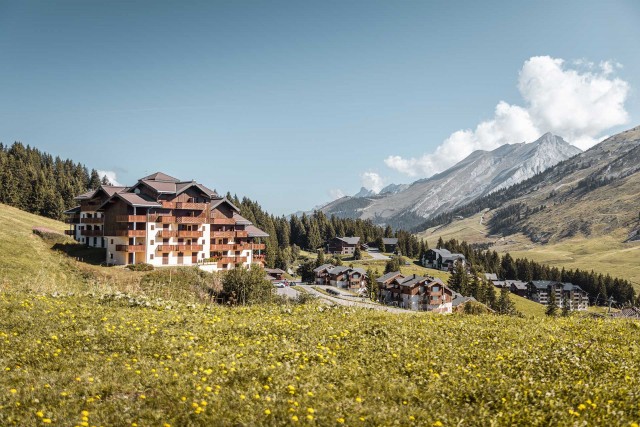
{"x": 289, "y": 102}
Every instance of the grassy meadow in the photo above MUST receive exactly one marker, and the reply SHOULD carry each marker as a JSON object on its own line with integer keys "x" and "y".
{"x": 84, "y": 345}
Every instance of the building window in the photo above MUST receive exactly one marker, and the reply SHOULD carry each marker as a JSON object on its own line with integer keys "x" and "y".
{"x": 112, "y": 241}
{"x": 152, "y": 227}
{"x": 150, "y": 256}
{"x": 151, "y": 242}
{"x": 110, "y": 256}
{"x": 436, "y": 288}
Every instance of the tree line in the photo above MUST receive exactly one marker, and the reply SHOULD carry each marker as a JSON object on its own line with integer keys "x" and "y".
{"x": 39, "y": 183}
{"x": 599, "y": 286}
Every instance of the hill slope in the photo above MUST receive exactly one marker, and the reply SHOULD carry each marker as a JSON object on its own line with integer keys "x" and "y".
{"x": 481, "y": 173}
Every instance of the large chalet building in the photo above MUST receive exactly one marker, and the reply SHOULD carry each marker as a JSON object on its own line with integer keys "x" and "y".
{"x": 415, "y": 292}
{"x": 163, "y": 221}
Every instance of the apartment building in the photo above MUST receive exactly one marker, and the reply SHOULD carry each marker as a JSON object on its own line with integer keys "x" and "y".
{"x": 164, "y": 221}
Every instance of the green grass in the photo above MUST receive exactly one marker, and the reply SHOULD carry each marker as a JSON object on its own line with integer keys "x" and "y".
{"x": 125, "y": 362}
{"x": 527, "y": 307}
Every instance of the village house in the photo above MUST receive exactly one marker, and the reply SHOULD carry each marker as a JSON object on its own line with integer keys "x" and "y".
{"x": 390, "y": 244}
{"x": 343, "y": 245}
{"x": 347, "y": 277}
{"x": 322, "y": 274}
{"x": 164, "y": 221}
{"x": 274, "y": 274}
{"x": 517, "y": 287}
{"x": 418, "y": 293}
{"x": 540, "y": 291}
{"x": 385, "y": 280}
{"x": 442, "y": 259}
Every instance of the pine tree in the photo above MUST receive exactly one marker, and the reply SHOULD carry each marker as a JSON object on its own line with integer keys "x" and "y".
{"x": 552, "y": 306}
{"x": 357, "y": 253}
{"x": 566, "y": 308}
{"x": 320, "y": 258}
{"x": 458, "y": 281}
{"x": 505, "y": 304}
{"x": 94, "y": 180}
{"x": 440, "y": 243}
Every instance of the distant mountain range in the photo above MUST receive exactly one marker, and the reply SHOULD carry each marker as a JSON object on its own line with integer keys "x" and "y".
{"x": 481, "y": 173}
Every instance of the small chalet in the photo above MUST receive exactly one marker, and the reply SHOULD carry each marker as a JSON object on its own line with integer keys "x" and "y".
{"x": 390, "y": 244}
{"x": 515, "y": 286}
{"x": 347, "y": 277}
{"x": 343, "y": 245}
{"x": 322, "y": 274}
{"x": 418, "y": 293}
{"x": 442, "y": 259}
{"x": 384, "y": 281}
{"x": 540, "y": 291}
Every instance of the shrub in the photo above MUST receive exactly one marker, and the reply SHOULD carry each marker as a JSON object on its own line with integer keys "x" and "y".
{"x": 143, "y": 266}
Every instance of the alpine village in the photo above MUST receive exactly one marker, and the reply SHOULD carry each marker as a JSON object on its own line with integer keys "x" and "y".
{"x": 319, "y": 214}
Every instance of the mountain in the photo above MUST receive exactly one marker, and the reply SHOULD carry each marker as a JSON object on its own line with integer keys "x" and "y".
{"x": 364, "y": 193}
{"x": 481, "y": 173}
{"x": 394, "y": 188}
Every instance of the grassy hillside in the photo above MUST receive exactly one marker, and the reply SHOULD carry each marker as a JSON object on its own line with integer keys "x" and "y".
{"x": 69, "y": 360}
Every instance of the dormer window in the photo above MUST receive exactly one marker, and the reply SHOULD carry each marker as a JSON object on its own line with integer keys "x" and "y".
{"x": 137, "y": 191}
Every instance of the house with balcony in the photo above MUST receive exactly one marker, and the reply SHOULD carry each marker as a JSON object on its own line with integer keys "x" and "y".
{"x": 322, "y": 274}
{"x": 540, "y": 291}
{"x": 442, "y": 259}
{"x": 343, "y": 245}
{"x": 417, "y": 293}
{"x": 164, "y": 221}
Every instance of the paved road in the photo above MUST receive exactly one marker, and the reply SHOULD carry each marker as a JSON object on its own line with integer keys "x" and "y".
{"x": 375, "y": 254}
{"x": 287, "y": 291}
{"x": 354, "y": 302}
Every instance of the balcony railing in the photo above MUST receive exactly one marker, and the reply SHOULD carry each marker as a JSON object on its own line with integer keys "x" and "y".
{"x": 191, "y": 220}
{"x": 166, "y": 248}
{"x": 191, "y": 206}
{"x": 131, "y": 218}
{"x": 189, "y": 248}
{"x": 231, "y": 260}
{"x": 75, "y": 219}
{"x": 131, "y": 233}
{"x": 130, "y": 248}
{"x": 189, "y": 233}
{"x": 167, "y": 233}
{"x": 166, "y": 219}
{"x": 168, "y": 205}
{"x": 229, "y": 234}
{"x": 92, "y": 220}
{"x": 222, "y": 221}
{"x": 223, "y": 247}
{"x": 257, "y": 246}
{"x": 91, "y": 233}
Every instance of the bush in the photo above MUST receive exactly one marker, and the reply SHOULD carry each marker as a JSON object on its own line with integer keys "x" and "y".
{"x": 140, "y": 267}
{"x": 247, "y": 286}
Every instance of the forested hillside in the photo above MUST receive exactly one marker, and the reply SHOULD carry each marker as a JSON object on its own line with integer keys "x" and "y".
{"x": 39, "y": 183}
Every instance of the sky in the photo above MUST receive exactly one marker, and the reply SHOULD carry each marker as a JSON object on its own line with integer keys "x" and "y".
{"x": 295, "y": 103}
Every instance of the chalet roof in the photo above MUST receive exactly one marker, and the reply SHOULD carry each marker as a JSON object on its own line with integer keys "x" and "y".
{"x": 87, "y": 195}
{"x": 491, "y": 276}
{"x": 274, "y": 271}
{"x": 255, "y": 231}
{"x": 339, "y": 269}
{"x": 349, "y": 240}
{"x": 218, "y": 202}
{"x": 460, "y": 299}
{"x": 138, "y": 200}
{"x": 517, "y": 284}
{"x": 323, "y": 267}
{"x": 390, "y": 240}
{"x": 388, "y": 276}
{"x": 72, "y": 210}
{"x": 159, "y": 176}
{"x": 543, "y": 284}
{"x": 181, "y": 187}
{"x": 240, "y": 220}
{"x": 412, "y": 280}
{"x": 362, "y": 271}
{"x": 447, "y": 255}
{"x": 165, "y": 187}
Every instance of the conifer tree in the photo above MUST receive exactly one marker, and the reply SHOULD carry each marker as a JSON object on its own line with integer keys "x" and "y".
{"x": 552, "y": 306}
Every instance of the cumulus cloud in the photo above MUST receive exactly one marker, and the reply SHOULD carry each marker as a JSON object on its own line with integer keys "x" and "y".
{"x": 111, "y": 176}
{"x": 578, "y": 103}
{"x": 336, "y": 193}
{"x": 372, "y": 181}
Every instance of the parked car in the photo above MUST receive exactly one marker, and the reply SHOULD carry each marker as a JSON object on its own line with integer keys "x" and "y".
{"x": 279, "y": 285}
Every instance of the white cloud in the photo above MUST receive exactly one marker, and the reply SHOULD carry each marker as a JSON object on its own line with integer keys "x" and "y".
{"x": 372, "y": 181}
{"x": 579, "y": 104}
{"x": 111, "y": 176}
{"x": 336, "y": 193}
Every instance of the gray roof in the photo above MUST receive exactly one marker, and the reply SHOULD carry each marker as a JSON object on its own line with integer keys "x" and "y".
{"x": 72, "y": 210}
{"x": 255, "y": 231}
{"x": 218, "y": 202}
{"x": 542, "y": 284}
{"x": 491, "y": 276}
{"x": 412, "y": 280}
{"x": 359, "y": 270}
{"x": 87, "y": 195}
{"x": 388, "y": 276}
{"x": 390, "y": 240}
{"x": 323, "y": 267}
{"x": 349, "y": 240}
{"x": 339, "y": 269}
{"x": 137, "y": 200}
{"x": 240, "y": 220}
{"x": 518, "y": 284}
{"x": 446, "y": 255}
{"x": 274, "y": 271}
{"x": 460, "y": 299}
{"x": 159, "y": 176}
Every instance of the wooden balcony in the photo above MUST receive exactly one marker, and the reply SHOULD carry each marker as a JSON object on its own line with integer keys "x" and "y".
{"x": 91, "y": 233}
{"x": 223, "y": 234}
{"x": 166, "y": 219}
{"x": 189, "y": 233}
{"x": 92, "y": 220}
{"x": 258, "y": 258}
{"x": 191, "y": 220}
{"x": 131, "y": 233}
{"x": 242, "y": 233}
{"x": 75, "y": 219}
{"x": 257, "y": 246}
{"x": 166, "y": 248}
{"x": 188, "y": 248}
{"x": 222, "y": 221}
{"x": 168, "y": 205}
{"x": 131, "y": 218}
{"x": 70, "y": 232}
{"x": 167, "y": 233}
{"x": 223, "y": 247}
{"x": 231, "y": 260}
{"x": 191, "y": 206}
{"x": 130, "y": 248}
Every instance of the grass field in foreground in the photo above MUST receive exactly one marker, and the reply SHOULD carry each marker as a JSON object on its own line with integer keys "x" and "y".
{"x": 69, "y": 360}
